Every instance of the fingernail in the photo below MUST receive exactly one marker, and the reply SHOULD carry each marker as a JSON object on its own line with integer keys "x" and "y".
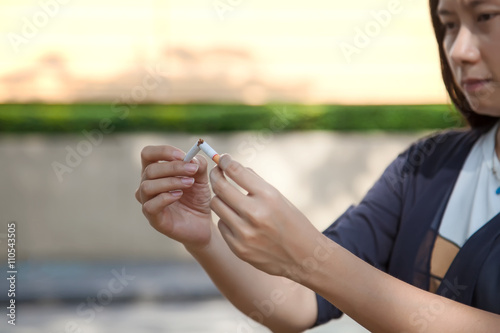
{"x": 176, "y": 193}
{"x": 178, "y": 155}
{"x": 224, "y": 157}
{"x": 187, "y": 181}
{"x": 191, "y": 167}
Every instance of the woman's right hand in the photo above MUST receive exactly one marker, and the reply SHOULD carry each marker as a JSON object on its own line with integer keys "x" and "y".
{"x": 175, "y": 195}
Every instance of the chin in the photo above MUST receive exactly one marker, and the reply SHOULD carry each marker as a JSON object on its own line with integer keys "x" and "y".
{"x": 486, "y": 107}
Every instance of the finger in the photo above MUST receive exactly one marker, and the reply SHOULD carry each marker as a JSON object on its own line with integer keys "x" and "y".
{"x": 201, "y": 176}
{"x": 227, "y": 235}
{"x": 247, "y": 179}
{"x": 255, "y": 173}
{"x": 138, "y": 195}
{"x": 229, "y": 194}
{"x": 225, "y": 231}
{"x": 151, "y": 188}
{"x": 170, "y": 169}
{"x": 156, "y": 205}
{"x": 231, "y": 218}
{"x": 152, "y": 154}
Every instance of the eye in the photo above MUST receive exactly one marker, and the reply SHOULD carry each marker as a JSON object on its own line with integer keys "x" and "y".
{"x": 486, "y": 17}
{"x": 449, "y": 26}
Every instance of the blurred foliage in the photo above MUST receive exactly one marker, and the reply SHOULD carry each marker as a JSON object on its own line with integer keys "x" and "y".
{"x": 224, "y": 117}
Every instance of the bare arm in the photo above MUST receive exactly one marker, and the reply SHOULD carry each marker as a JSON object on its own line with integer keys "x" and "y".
{"x": 277, "y": 302}
{"x": 264, "y": 219}
{"x": 382, "y": 303}
{"x": 176, "y": 201}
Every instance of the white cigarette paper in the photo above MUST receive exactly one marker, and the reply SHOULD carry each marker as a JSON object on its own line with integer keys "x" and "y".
{"x": 205, "y": 147}
{"x": 210, "y": 152}
{"x": 192, "y": 152}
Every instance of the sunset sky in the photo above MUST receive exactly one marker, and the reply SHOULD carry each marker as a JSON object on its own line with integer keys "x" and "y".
{"x": 362, "y": 51}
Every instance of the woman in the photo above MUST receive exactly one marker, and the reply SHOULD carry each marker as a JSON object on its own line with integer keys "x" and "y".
{"x": 420, "y": 253}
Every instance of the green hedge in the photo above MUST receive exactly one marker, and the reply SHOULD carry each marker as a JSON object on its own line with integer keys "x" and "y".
{"x": 195, "y": 118}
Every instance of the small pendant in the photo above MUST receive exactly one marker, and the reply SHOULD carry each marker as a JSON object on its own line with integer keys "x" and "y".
{"x": 498, "y": 191}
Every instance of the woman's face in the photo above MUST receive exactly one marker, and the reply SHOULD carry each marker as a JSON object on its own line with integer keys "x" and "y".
{"x": 472, "y": 46}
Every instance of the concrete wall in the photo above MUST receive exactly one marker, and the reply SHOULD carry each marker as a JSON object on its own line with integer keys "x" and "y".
{"x": 91, "y": 213}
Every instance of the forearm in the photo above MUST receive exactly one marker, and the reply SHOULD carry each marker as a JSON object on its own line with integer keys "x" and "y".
{"x": 383, "y": 303}
{"x": 277, "y": 302}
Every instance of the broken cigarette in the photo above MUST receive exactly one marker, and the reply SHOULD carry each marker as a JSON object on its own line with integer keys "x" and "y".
{"x": 205, "y": 147}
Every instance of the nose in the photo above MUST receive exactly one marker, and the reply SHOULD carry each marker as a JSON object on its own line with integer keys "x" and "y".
{"x": 464, "y": 48}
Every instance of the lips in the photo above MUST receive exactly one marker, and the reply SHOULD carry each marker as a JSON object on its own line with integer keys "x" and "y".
{"x": 474, "y": 84}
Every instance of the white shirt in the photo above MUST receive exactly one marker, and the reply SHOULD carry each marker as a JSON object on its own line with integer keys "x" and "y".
{"x": 473, "y": 201}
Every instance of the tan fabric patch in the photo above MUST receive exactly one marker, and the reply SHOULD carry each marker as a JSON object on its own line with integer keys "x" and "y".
{"x": 442, "y": 256}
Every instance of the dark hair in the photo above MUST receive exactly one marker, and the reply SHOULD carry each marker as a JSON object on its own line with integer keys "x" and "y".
{"x": 457, "y": 97}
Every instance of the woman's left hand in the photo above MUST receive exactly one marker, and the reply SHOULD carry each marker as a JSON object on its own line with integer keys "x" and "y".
{"x": 262, "y": 227}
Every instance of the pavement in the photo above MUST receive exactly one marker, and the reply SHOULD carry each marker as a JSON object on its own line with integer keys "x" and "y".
{"x": 209, "y": 316}
{"x": 128, "y": 298}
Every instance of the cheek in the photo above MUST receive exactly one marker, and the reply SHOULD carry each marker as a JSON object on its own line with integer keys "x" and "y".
{"x": 447, "y": 47}
{"x": 491, "y": 56}
{"x": 490, "y": 47}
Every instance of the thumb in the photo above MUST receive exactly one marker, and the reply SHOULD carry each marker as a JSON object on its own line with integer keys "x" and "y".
{"x": 201, "y": 176}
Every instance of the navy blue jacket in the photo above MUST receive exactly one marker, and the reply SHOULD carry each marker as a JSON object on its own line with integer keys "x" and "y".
{"x": 395, "y": 226}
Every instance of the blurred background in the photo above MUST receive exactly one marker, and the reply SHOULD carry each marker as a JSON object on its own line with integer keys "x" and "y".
{"x": 85, "y": 85}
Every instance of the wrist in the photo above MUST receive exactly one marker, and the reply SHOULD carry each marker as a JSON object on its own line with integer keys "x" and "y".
{"x": 319, "y": 250}
{"x": 198, "y": 249}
